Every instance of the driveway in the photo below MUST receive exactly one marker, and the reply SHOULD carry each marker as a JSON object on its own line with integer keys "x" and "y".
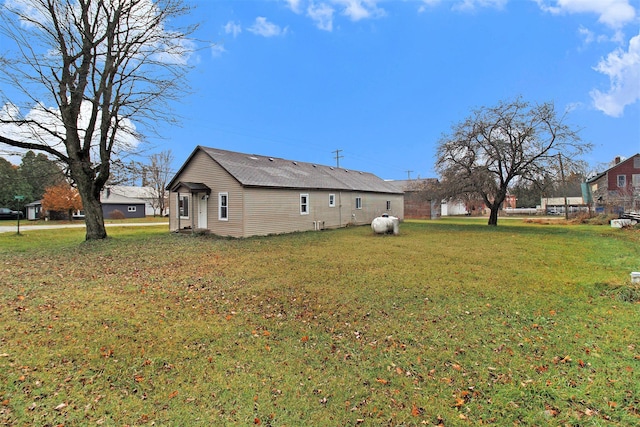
{"x": 13, "y": 228}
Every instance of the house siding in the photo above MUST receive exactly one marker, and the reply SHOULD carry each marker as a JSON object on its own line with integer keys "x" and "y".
{"x": 274, "y": 211}
{"x": 109, "y": 209}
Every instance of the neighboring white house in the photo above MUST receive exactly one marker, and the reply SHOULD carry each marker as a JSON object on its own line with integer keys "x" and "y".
{"x": 453, "y": 208}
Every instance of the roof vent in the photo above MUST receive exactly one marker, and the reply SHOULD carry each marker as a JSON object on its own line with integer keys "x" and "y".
{"x": 253, "y": 158}
{"x": 331, "y": 167}
{"x": 346, "y": 170}
{"x": 271, "y": 159}
{"x": 314, "y": 166}
{"x": 295, "y": 163}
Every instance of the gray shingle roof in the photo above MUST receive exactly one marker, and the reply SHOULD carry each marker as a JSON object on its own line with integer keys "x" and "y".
{"x": 253, "y": 170}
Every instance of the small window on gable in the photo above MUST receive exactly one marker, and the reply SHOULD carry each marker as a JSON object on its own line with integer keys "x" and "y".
{"x": 622, "y": 181}
{"x": 304, "y": 204}
{"x": 332, "y": 200}
{"x": 183, "y": 205}
{"x": 358, "y": 202}
{"x": 131, "y": 208}
{"x": 223, "y": 206}
{"x": 636, "y": 162}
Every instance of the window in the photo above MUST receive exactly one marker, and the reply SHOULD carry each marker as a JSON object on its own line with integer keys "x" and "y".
{"x": 388, "y": 205}
{"x": 636, "y": 162}
{"x": 622, "y": 181}
{"x": 635, "y": 179}
{"x": 304, "y": 204}
{"x": 131, "y": 208}
{"x": 183, "y": 206}
{"x": 223, "y": 206}
{"x": 358, "y": 202}
{"x": 332, "y": 200}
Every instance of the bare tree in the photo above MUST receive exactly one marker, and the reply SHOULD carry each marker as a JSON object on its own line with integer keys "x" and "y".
{"x": 90, "y": 71}
{"x": 497, "y": 147}
{"x": 158, "y": 173}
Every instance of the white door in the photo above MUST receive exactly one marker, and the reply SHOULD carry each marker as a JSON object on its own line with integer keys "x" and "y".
{"x": 202, "y": 210}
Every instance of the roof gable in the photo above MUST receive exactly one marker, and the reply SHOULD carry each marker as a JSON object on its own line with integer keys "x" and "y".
{"x": 109, "y": 198}
{"x": 612, "y": 168}
{"x": 252, "y": 170}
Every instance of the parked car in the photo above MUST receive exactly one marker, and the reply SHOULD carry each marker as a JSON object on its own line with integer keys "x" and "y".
{"x": 6, "y": 213}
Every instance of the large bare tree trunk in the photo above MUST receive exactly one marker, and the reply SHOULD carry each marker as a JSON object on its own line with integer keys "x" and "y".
{"x": 493, "y": 215}
{"x": 90, "y": 195}
{"x": 94, "y": 220}
{"x": 114, "y": 66}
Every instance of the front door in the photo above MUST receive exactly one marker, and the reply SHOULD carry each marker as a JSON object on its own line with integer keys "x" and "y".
{"x": 202, "y": 210}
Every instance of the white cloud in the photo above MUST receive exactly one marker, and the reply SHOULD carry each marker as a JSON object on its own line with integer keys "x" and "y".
{"x": 294, "y": 5}
{"x": 426, "y": 4}
{"x": 232, "y": 28}
{"x": 264, "y": 28}
{"x": 360, "y": 9}
{"x": 613, "y": 13}
{"x": 44, "y": 126}
{"x": 468, "y": 5}
{"x": 322, "y": 15}
{"x": 217, "y": 49}
{"x": 623, "y": 69}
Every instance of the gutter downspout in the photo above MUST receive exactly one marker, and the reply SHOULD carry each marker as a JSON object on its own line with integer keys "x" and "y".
{"x": 340, "y": 209}
{"x": 178, "y": 210}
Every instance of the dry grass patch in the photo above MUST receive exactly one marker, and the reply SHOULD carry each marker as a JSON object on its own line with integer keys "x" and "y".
{"x": 451, "y": 323}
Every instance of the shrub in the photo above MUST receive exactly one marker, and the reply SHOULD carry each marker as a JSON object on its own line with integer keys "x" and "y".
{"x": 116, "y": 214}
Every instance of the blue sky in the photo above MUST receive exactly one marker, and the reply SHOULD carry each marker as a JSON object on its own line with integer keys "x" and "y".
{"x": 383, "y": 80}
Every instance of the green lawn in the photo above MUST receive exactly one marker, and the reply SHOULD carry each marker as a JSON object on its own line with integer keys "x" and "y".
{"x": 451, "y": 323}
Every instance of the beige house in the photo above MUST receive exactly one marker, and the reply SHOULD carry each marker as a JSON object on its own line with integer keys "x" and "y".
{"x": 243, "y": 195}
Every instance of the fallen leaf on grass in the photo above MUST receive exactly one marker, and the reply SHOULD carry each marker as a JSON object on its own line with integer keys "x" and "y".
{"x": 173, "y": 394}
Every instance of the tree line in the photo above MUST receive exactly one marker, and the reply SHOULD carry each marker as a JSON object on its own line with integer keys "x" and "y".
{"x": 39, "y": 178}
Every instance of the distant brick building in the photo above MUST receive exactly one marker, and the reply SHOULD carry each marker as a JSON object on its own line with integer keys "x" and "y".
{"x": 420, "y": 201}
{"x": 617, "y": 189}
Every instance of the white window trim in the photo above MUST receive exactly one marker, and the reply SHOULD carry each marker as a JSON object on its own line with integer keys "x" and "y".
{"x": 332, "y": 200}
{"x": 624, "y": 179}
{"x": 220, "y": 206}
{"x": 180, "y": 196}
{"x": 358, "y": 202}
{"x": 305, "y": 204}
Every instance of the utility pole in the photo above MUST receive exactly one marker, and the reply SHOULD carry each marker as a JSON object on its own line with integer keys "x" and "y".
{"x": 564, "y": 189}
{"x": 409, "y": 175}
{"x": 338, "y": 157}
